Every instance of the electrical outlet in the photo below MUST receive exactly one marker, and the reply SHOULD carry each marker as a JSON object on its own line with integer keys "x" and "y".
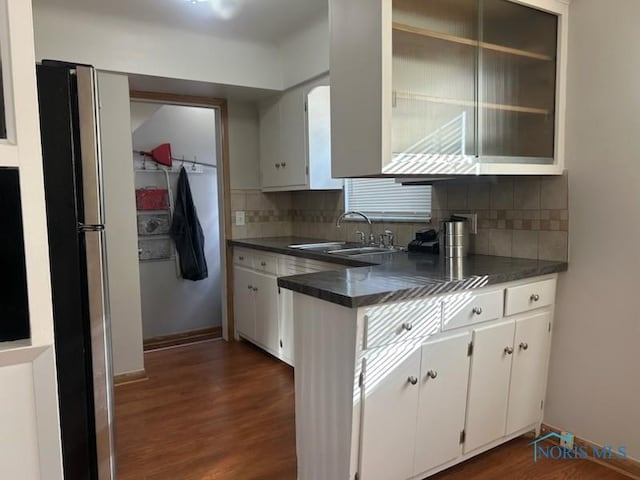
{"x": 472, "y": 218}
{"x": 566, "y": 440}
{"x": 240, "y": 220}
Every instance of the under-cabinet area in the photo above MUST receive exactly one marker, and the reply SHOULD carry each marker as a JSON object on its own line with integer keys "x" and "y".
{"x": 413, "y": 387}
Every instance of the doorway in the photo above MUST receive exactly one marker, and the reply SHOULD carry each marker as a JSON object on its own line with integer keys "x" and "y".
{"x": 176, "y": 310}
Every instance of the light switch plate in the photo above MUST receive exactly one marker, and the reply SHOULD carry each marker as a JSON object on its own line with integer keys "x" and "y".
{"x": 472, "y": 218}
{"x": 240, "y": 220}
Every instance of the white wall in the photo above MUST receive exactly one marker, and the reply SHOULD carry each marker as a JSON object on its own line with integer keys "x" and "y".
{"x": 170, "y": 304}
{"x": 121, "y": 229}
{"x": 123, "y": 45}
{"x": 594, "y": 387}
{"x": 127, "y": 46}
{"x": 244, "y": 145}
{"x": 306, "y": 54}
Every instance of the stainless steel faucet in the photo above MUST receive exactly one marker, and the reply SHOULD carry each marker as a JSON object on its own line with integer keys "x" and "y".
{"x": 353, "y": 212}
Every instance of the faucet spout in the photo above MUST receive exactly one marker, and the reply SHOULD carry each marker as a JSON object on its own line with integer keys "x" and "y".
{"x": 353, "y": 212}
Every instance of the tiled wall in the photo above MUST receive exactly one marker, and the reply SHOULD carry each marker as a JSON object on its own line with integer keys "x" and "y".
{"x": 521, "y": 217}
{"x": 266, "y": 214}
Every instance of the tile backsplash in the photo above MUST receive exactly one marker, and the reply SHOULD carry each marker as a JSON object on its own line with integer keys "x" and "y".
{"x": 517, "y": 216}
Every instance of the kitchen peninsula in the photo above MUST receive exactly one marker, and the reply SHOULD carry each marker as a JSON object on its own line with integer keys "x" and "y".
{"x": 406, "y": 364}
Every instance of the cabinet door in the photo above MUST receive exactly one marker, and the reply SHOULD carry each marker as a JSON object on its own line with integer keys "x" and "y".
{"x": 529, "y": 372}
{"x": 243, "y": 302}
{"x": 518, "y": 83}
{"x": 270, "y": 145}
{"x": 266, "y": 298}
{"x": 444, "y": 376}
{"x": 293, "y": 162}
{"x": 390, "y": 400}
{"x": 286, "y": 326}
{"x": 489, "y": 384}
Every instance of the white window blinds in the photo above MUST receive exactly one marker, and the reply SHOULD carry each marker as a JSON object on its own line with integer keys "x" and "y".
{"x": 384, "y": 199}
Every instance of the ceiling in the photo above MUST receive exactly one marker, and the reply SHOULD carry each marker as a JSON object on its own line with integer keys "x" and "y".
{"x": 265, "y": 21}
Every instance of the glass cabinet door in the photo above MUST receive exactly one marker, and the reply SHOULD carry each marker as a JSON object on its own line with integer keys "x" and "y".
{"x": 517, "y": 83}
{"x": 474, "y": 78}
{"x": 435, "y": 53}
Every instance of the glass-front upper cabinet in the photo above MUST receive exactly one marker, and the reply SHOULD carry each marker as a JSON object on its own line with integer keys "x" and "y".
{"x": 447, "y": 87}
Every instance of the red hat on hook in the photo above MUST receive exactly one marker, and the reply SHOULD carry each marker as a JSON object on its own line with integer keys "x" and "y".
{"x": 161, "y": 154}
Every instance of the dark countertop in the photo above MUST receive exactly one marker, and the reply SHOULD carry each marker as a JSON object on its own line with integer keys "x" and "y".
{"x": 373, "y": 279}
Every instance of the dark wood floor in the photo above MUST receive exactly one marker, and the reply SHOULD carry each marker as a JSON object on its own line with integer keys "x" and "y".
{"x": 225, "y": 411}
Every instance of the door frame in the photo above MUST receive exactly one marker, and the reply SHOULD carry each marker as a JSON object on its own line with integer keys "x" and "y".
{"x": 220, "y": 106}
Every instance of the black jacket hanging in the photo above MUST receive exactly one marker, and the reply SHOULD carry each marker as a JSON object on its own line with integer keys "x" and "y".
{"x": 187, "y": 233}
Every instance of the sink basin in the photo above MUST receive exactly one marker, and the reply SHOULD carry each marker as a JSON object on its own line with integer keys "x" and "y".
{"x": 321, "y": 246}
{"x": 350, "y": 252}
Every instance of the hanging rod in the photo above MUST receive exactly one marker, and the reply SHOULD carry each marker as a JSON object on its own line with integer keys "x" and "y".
{"x": 174, "y": 159}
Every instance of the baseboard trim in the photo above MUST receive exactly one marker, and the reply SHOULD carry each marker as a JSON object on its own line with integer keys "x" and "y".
{"x": 625, "y": 466}
{"x": 130, "y": 377}
{"x": 183, "y": 338}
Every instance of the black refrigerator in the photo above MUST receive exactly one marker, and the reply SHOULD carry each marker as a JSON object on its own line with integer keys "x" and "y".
{"x": 70, "y": 130}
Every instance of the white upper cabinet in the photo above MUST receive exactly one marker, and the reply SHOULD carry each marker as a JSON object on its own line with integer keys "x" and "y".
{"x": 295, "y": 140}
{"x": 447, "y": 87}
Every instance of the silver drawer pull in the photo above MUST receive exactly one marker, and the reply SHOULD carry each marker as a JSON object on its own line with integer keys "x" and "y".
{"x": 477, "y": 310}
{"x": 508, "y": 350}
{"x": 412, "y": 380}
{"x": 432, "y": 374}
{"x": 523, "y": 345}
{"x": 534, "y": 297}
{"x": 407, "y": 326}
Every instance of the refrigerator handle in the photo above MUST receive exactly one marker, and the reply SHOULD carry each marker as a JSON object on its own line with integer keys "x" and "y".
{"x": 93, "y": 229}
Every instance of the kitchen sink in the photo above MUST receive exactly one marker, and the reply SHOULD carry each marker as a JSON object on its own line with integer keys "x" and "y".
{"x": 351, "y": 252}
{"x": 324, "y": 246}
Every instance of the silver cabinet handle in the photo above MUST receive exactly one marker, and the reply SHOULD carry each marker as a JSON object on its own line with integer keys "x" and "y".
{"x": 432, "y": 374}
{"x": 534, "y": 297}
{"x": 523, "y": 345}
{"x": 477, "y": 310}
{"x": 412, "y": 380}
{"x": 508, "y": 350}
{"x": 407, "y": 326}
{"x": 264, "y": 264}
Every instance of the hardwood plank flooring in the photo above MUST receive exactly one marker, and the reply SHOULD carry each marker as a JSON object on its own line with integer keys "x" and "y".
{"x": 213, "y": 410}
{"x": 225, "y": 411}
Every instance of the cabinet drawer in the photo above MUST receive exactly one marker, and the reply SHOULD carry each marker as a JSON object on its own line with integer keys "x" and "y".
{"x": 265, "y": 264}
{"x": 466, "y": 308}
{"x": 398, "y": 322}
{"x": 529, "y": 296}
{"x": 242, "y": 258}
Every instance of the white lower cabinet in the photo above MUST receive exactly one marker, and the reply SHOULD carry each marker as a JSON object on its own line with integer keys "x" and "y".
{"x": 266, "y": 304}
{"x": 444, "y": 376}
{"x": 263, "y": 313}
{"x": 243, "y": 302}
{"x": 529, "y": 370}
{"x": 488, "y": 384}
{"x": 508, "y": 376}
{"x": 414, "y": 399}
